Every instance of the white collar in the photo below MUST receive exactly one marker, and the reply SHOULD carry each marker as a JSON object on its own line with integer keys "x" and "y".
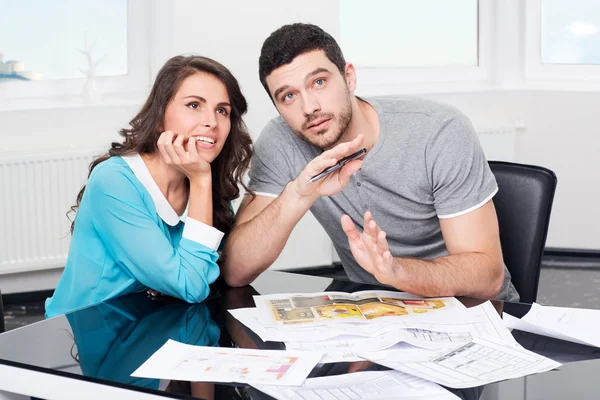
{"x": 163, "y": 208}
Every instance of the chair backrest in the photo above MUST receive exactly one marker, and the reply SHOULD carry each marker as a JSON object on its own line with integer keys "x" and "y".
{"x": 1, "y": 314}
{"x": 523, "y": 205}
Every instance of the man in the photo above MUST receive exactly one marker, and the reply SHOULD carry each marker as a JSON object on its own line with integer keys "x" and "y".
{"x": 421, "y": 196}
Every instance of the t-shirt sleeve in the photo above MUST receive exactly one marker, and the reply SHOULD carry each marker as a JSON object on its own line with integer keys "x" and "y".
{"x": 270, "y": 169}
{"x": 459, "y": 173}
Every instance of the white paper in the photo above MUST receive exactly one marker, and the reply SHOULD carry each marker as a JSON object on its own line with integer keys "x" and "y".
{"x": 571, "y": 324}
{"x": 346, "y": 348}
{"x": 370, "y": 385}
{"x": 481, "y": 321}
{"x": 178, "y": 361}
{"x": 443, "y": 337}
{"x": 477, "y": 363}
{"x": 452, "y": 328}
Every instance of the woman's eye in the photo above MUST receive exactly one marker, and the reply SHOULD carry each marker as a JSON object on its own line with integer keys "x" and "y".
{"x": 193, "y": 106}
{"x": 222, "y": 111}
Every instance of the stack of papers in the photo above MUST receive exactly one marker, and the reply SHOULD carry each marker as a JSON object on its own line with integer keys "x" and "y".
{"x": 427, "y": 342}
{"x": 437, "y": 340}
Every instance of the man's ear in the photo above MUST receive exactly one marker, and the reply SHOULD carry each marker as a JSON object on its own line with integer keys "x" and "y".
{"x": 350, "y": 75}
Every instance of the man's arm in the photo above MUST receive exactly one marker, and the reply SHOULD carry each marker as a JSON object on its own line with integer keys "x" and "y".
{"x": 474, "y": 266}
{"x": 263, "y": 225}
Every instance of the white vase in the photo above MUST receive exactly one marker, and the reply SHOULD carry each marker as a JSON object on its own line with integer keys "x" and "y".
{"x": 91, "y": 94}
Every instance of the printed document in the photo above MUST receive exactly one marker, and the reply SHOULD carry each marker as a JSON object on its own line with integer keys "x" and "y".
{"x": 326, "y": 308}
{"x": 178, "y": 361}
{"x": 476, "y": 363}
{"x": 315, "y": 333}
{"x": 572, "y": 324}
{"x": 369, "y": 385}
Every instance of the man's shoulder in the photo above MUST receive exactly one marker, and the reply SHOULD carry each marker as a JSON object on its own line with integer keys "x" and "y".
{"x": 278, "y": 126}
{"x": 414, "y": 106}
{"x": 277, "y": 136}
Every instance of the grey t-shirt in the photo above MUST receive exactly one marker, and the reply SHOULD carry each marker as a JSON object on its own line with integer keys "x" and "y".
{"x": 427, "y": 164}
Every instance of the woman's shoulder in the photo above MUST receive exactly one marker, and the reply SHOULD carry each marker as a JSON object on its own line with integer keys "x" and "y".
{"x": 112, "y": 173}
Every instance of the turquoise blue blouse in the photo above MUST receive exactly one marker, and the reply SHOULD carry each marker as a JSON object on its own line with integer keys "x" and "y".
{"x": 128, "y": 238}
{"x": 115, "y": 338}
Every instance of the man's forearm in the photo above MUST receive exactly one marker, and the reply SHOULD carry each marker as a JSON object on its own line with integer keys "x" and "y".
{"x": 467, "y": 274}
{"x": 254, "y": 245}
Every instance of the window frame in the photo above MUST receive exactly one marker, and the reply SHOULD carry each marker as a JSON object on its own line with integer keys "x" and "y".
{"x": 439, "y": 78}
{"x": 552, "y": 76}
{"x": 68, "y": 92}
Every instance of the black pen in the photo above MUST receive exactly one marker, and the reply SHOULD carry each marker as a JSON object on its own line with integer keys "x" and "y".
{"x": 337, "y": 165}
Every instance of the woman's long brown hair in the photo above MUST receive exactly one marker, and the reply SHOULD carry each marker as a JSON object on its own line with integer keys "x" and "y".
{"x": 141, "y": 138}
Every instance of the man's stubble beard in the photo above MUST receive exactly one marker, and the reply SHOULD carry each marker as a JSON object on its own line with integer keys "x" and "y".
{"x": 344, "y": 119}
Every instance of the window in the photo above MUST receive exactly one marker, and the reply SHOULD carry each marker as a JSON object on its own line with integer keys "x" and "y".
{"x": 73, "y": 52}
{"x": 409, "y": 46}
{"x": 409, "y": 33}
{"x": 62, "y": 40}
{"x": 570, "y": 32}
{"x": 562, "y": 44}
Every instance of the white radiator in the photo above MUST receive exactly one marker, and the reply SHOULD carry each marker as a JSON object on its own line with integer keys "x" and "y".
{"x": 500, "y": 144}
{"x": 37, "y": 192}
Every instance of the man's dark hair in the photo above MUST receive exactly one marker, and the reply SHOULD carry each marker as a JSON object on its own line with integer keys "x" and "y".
{"x": 289, "y": 41}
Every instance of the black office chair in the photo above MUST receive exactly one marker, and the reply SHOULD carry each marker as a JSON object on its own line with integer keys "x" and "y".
{"x": 1, "y": 314}
{"x": 523, "y": 205}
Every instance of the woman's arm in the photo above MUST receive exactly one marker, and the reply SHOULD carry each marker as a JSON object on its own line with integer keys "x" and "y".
{"x": 133, "y": 238}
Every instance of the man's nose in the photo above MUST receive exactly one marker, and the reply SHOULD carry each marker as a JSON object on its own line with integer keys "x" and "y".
{"x": 311, "y": 104}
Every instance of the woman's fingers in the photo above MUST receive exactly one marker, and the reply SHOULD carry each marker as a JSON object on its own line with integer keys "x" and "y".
{"x": 164, "y": 139}
{"x": 192, "y": 149}
{"x": 170, "y": 150}
{"x": 179, "y": 150}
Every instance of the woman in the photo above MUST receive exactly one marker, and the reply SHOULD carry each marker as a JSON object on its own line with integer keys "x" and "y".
{"x": 156, "y": 207}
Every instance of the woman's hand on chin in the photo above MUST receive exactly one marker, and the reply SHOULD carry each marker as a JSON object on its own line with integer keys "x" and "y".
{"x": 182, "y": 154}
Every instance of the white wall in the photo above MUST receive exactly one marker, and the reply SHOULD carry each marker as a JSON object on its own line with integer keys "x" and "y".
{"x": 62, "y": 128}
{"x": 233, "y": 34}
{"x": 560, "y": 130}
{"x": 561, "y": 133}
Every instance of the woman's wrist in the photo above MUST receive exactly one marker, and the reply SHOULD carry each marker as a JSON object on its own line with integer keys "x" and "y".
{"x": 201, "y": 180}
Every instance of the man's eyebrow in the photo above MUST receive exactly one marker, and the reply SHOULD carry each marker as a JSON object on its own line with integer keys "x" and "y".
{"x": 280, "y": 90}
{"x": 317, "y": 71}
